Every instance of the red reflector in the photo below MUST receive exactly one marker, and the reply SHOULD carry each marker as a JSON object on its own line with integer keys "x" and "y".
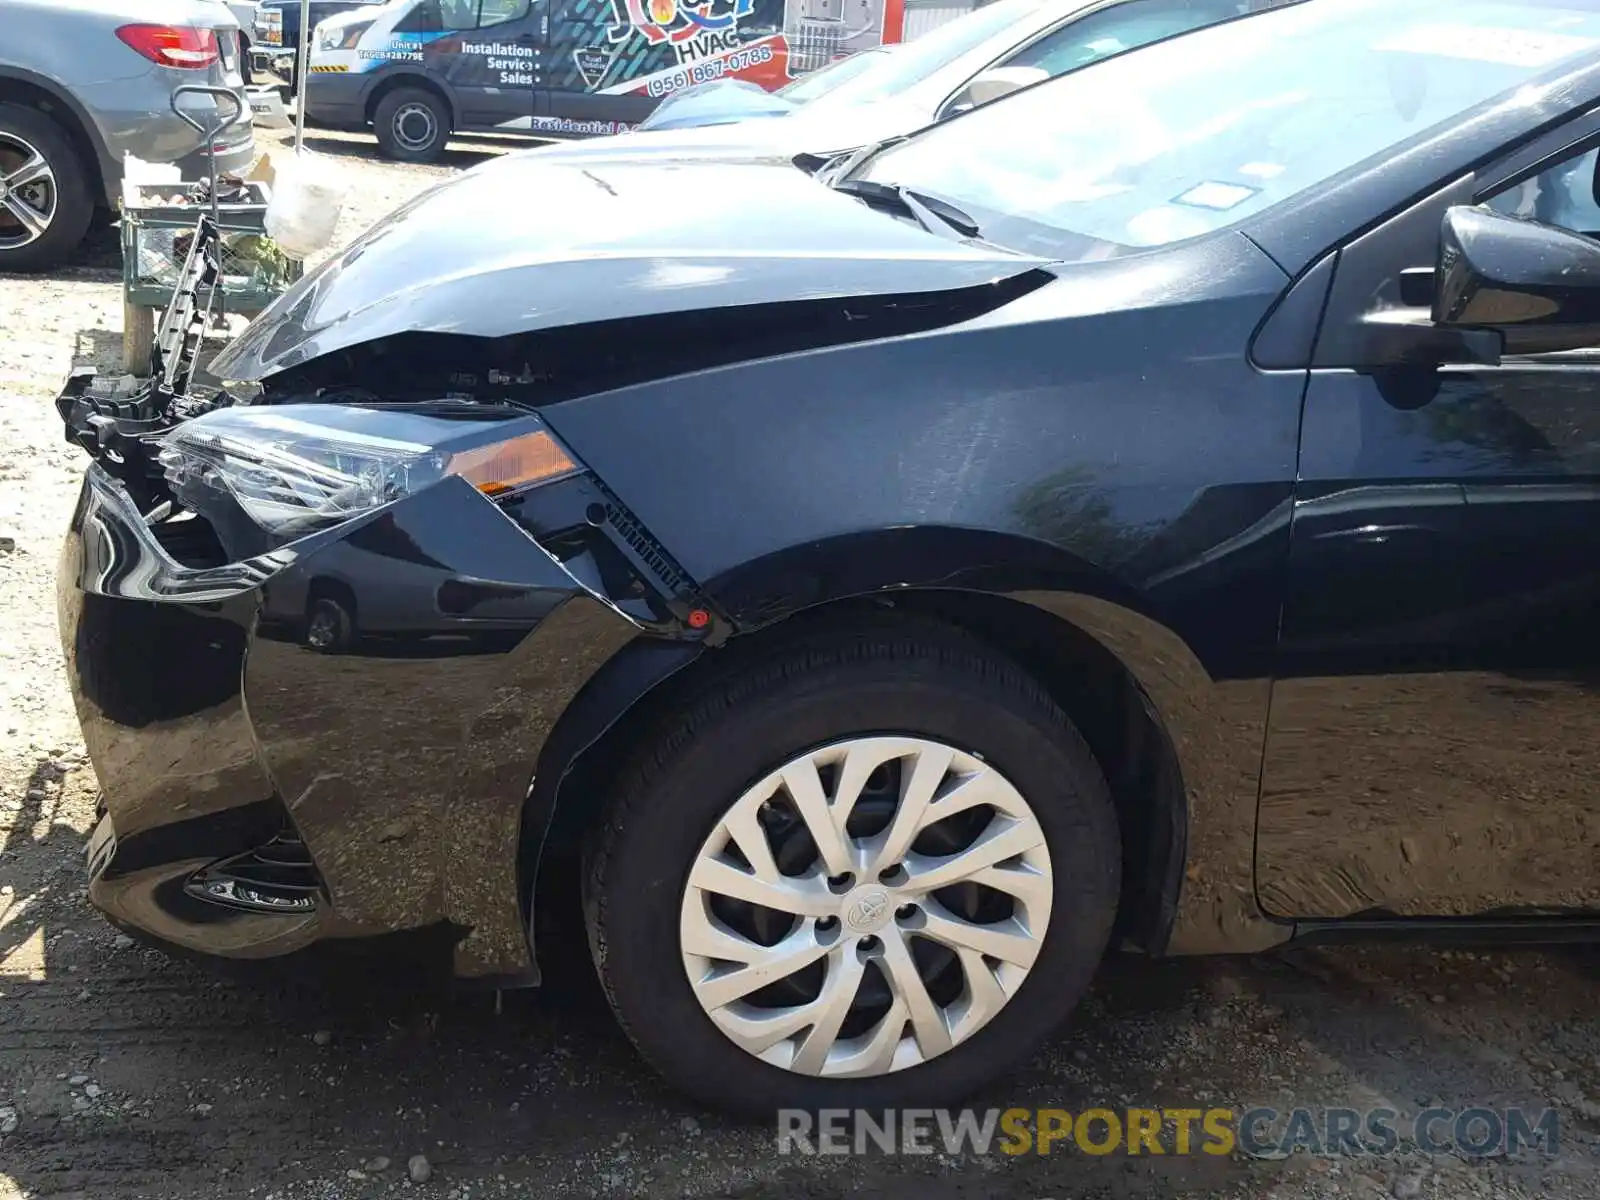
{"x": 699, "y": 618}
{"x": 173, "y": 45}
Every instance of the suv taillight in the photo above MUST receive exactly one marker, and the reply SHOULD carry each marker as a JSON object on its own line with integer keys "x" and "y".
{"x": 173, "y": 45}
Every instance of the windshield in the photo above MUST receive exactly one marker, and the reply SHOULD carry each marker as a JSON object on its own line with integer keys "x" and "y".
{"x": 1194, "y": 134}
{"x": 825, "y": 79}
{"x": 915, "y": 61}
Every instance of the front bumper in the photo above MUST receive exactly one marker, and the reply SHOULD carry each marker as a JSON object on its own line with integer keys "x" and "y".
{"x": 383, "y": 786}
{"x": 232, "y": 158}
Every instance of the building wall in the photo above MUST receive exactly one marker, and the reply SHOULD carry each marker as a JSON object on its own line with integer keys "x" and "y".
{"x": 923, "y": 15}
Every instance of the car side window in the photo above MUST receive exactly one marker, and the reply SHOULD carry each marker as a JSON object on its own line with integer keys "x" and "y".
{"x": 499, "y": 12}
{"x": 1116, "y": 29}
{"x": 459, "y": 14}
{"x": 1564, "y": 195}
{"x": 425, "y": 17}
{"x": 442, "y": 16}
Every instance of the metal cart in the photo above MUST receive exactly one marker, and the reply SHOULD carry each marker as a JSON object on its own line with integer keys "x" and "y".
{"x": 159, "y": 225}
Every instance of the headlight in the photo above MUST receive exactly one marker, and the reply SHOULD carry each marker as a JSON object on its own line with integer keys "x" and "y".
{"x": 296, "y": 468}
{"x": 341, "y": 37}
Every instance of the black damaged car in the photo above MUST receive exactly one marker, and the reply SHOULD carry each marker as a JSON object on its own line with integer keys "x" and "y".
{"x": 1161, "y": 509}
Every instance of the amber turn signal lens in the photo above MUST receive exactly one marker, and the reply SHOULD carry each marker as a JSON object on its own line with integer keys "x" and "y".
{"x": 506, "y": 466}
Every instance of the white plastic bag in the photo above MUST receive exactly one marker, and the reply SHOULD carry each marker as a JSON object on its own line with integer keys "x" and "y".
{"x": 303, "y": 210}
{"x": 137, "y": 173}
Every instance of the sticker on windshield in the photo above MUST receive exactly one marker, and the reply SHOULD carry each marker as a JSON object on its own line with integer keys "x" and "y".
{"x": 1263, "y": 170}
{"x": 1476, "y": 43}
{"x": 1105, "y": 46}
{"x": 1219, "y": 197}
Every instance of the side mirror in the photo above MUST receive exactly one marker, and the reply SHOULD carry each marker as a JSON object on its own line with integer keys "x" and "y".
{"x": 994, "y": 83}
{"x": 1537, "y": 285}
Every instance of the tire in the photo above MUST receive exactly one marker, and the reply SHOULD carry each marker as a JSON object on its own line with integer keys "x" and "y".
{"x": 412, "y": 124}
{"x": 65, "y": 193}
{"x": 924, "y": 682}
{"x": 329, "y": 626}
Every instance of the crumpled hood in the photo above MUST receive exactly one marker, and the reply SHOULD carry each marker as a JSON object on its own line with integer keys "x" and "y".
{"x": 539, "y": 244}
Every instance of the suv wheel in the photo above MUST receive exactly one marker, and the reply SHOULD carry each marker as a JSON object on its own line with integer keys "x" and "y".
{"x": 412, "y": 125}
{"x": 873, "y": 871}
{"x": 45, "y": 202}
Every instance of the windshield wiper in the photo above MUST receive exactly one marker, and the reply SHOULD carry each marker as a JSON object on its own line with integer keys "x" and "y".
{"x": 933, "y": 214}
{"x": 843, "y": 163}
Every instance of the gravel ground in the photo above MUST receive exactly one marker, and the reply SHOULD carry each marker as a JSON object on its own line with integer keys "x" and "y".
{"x": 126, "y": 1074}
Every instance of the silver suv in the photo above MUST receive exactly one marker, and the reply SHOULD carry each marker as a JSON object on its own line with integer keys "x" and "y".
{"x": 83, "y": 82}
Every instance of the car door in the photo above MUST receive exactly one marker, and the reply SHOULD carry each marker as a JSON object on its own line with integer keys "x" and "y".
{"x": 1434, "y": 739}
{"x": 489, "y": 52}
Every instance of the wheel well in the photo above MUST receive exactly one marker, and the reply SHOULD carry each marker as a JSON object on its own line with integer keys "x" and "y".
{"x": 31, "y": 95}
{"x": 1090, "y": 684}
{"x": 420, "y": 82}
{"x": 325, "y": 587}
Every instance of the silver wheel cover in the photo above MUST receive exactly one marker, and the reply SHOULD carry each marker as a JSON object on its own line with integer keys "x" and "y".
{"x": 401, "y": 124}
{"x": 866, "y": 907}
{"x": 27, "y": 193}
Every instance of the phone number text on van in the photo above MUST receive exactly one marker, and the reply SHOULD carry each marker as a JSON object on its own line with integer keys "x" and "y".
{"x": 705, "y": 72}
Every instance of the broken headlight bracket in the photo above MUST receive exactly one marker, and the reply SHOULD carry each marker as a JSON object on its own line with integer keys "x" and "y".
{"x": 600, "y": 542}
{"x": 119, "y": 421}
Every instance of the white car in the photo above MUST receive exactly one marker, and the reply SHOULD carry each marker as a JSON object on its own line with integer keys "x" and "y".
{"x": 976, "y": 58}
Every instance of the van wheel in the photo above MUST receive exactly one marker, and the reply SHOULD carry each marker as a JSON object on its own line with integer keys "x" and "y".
{"x": 875, "y": 869}
{"x": 412, "y": 125}
{"x": 45, "y": 201}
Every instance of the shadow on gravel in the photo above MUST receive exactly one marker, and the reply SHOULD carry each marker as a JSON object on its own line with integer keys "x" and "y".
{"x": 204, "y": 1085}
{"x": 460, "y": 153}
{"x": 102, "y": 349}
{"x": 98, "y": 258}
{"x": 207, "y": 1087}
{"x": 35, "y": 865}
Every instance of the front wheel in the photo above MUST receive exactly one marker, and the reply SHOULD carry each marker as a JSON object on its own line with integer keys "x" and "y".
{"x": 412, "y": 125}
{"x": 875, "y": 870}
